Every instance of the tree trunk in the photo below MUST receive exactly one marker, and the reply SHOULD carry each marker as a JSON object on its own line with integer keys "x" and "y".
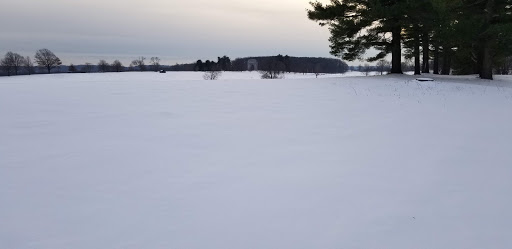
{"x": 446, "y": 61}
{"x": 479, "y": 60}
{"x": 49, "y": 69}
{"x": 487, "y": 58}
{"x": 417, "y": 66}
{"x": 426, "y": 50}
{"x": 436, "y": 59}
{"x": 396, "y": 44}
{"x": 486, "y": 69}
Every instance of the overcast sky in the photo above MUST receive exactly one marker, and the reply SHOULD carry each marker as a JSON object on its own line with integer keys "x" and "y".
{"x": 175, "y": 30}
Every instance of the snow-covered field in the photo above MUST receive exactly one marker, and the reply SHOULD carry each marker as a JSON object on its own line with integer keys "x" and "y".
{"x": 147, "y": 160}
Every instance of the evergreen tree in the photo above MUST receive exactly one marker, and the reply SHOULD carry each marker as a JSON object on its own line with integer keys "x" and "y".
{"x": 287, "y": 63}
{"x": 491, "y": 30}
{"x": 199, "y": 66}
{"x": 357, "y": 25}
{"x": 412, "y": 45}
{"x": 471, "y": 36}
{"x": 224, "y": 63}
{"x": 207, "y": 65}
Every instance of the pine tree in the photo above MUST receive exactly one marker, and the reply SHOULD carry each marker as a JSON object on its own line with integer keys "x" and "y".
{"x": 199, "y": 66}
{"x": 357, "y": 25}
{"x": 491, "y": 26}
{"x": 416, "y": 34}
{"x": 472, "y": 35}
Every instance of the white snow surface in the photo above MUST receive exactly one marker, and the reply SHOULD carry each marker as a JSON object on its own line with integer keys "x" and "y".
{"x": 148, "y": 160}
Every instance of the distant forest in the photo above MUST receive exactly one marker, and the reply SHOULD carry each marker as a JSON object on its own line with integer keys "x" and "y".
{"x": 282, "y": 63}
{"x": 47, "y": 62}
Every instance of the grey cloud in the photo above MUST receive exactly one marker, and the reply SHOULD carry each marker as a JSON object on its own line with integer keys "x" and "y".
{"x": 176, "y": 29}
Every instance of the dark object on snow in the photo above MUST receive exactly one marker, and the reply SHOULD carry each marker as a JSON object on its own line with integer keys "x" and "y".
{"x": 163, "y": 71}
{"x": 424, "y": 79}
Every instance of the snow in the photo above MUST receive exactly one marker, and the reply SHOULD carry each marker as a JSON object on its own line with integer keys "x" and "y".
{"x": 148, "y": 160}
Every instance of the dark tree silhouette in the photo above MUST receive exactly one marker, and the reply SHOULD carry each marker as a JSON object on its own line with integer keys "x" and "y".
{"x": 6, "y": 65}
{"x": 155, "y": 63}
{"x": 357, "y": 25}
{"x": 199, "y": 66}
{"x": 12, "y": 63}
{"x": 117, "y": 66}
{"x": 88, "y": 67}
{"x": 273, "y": 69}
{"x": 103, "y": 66}
{"x": 139, "y": 63}
{"x": 72, "y": 68}
{"x": 28, "y": 65}
{"x": 382, "y": 66}
{"x": 224, "y": 63}
{"x": 46, "y": 58}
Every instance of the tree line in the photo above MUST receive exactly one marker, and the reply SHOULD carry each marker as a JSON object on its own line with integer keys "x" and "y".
{"x": 48, "y": 62}
{"x": 138, "y": 64}
{"x": 458, "y": 36}
{"x": 279, "y": 62}
{"x": 14, "y": 63}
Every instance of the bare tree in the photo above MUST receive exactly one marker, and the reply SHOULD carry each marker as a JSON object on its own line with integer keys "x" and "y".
{"x": 28, "y": 65}
{"x": 213, "y": 73}
{"x": 103, "y": 66}
{"x": 3, "y": 69}
{"x": 117, "y": 66}
{"x": 139, "y": 63}
{"x": 273, "y": 69}
{"x": 155, "y": 63}
{"x": 367, "y": 69}
{"x": 383, "y": 66}
{"x": 46, "y": 58}
{"x": 18, "y": 62}
{"x": 88, "y": 67}
{"x": 12, "y": 63}
{"x": 6, "y": 67}
{"x": 408, "y": 66}
{"x": 7, "y": 64}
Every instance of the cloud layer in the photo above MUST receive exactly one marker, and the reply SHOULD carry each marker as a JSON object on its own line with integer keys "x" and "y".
{"x": 175, "y": 29}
